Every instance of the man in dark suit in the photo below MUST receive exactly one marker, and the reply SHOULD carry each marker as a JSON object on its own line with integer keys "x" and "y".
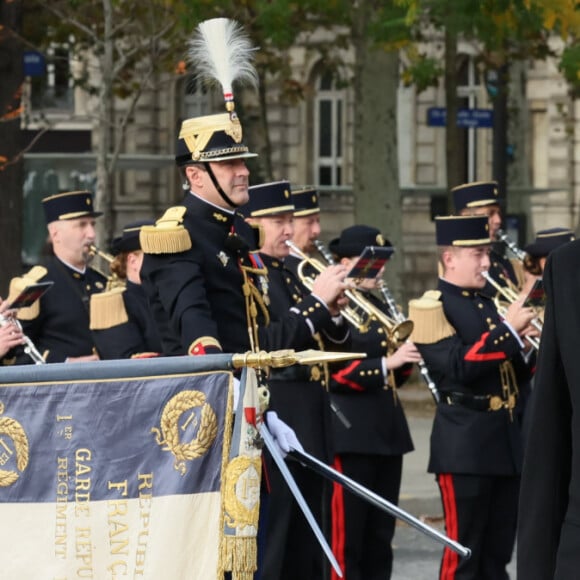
{"x": 482, "y": 198}
{"x": 299, "y": 320}
{"x": 58, "y": 323}
{"x": 479, "y": 363}
{"x": 549, "y": 534}
{"x": 371, "y": 433}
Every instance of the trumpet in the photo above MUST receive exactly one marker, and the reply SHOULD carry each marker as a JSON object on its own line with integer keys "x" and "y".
{"x": 29, "y": 347}
{"x": 511, "y": 296}
{"x": 94, "y": 251}
{"x": 112, "y": 279}
{"x": 398, "y": 316}
{"x": 360, "y": 311}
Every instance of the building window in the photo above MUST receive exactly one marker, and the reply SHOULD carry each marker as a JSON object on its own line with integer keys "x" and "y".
{"x": 329, "y": 123}
{"x": 196, "y": 99}
{"x": 55, "y": 89}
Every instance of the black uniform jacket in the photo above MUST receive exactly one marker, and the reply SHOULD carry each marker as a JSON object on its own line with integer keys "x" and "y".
{"x": 377, "y": 421}
{"x": 463, "y": 439}
{"x": 298, "y": 393}
{"x": 62, "y": 327}
{"x": 139, "y": 335}
{"x": 197, "y": 294}
{"x": 549, "y": 526}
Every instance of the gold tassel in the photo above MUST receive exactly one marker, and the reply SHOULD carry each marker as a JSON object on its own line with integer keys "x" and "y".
{"x": 164, "y": 241}
{"x": 240, "y": 555}
{"x": 167, "y": 236}
{"x": 17, "y": 285}
{"x": 108, "y": 309}
{"x": 430, "y": 324}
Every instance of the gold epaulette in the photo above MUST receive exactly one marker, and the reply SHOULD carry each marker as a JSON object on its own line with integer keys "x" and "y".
{"x": 17, "y": 285}
{"x": 518, "y": 267}
{"x": 430, "y": 324}
{"x": 167, "y": 236}
{"x": 108, "y": 309}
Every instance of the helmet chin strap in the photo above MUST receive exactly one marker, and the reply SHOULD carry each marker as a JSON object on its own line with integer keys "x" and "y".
{"x": 219, "y": 187}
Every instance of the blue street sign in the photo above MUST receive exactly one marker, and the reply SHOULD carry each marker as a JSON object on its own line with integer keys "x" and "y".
{"x": 475, "y": 118}
{"x": 34, "y": 64}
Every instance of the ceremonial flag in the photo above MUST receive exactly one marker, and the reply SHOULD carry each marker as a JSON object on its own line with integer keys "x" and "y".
{"x": 116, "y": 477}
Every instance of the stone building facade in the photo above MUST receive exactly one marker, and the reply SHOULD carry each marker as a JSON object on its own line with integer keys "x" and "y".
{"x": 312, "y": 143}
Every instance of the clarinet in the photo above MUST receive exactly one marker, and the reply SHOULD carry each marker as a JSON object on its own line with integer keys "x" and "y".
{"x": 518, "y": 252}
{"x": 400, "y": 317}
{"x": 324, "y": 252}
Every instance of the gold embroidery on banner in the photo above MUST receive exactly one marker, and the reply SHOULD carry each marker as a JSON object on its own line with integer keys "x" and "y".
{"x": 169, "y": 434}
{"x": 14, "y": 430}
{"x": 242, "y": 491}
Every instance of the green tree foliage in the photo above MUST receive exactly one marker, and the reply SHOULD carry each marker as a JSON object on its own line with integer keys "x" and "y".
{"x": 123, "y": 49}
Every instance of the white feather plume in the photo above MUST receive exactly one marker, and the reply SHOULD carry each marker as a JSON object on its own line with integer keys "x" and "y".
{"x": 221, "y": 51}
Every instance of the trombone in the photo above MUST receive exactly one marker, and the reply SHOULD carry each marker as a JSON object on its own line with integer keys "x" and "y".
{"x": 511, "y": 296}
{"x": 360, "y": 311}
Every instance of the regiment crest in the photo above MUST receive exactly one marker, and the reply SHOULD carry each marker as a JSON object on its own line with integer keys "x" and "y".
{"x": 15, "y": 447}
{"x": 201, "y": 421}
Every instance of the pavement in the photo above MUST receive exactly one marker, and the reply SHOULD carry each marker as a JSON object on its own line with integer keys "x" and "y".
{"x": 416, "y": 555}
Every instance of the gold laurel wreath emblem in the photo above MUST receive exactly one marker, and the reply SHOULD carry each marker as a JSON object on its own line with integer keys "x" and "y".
{"x": 14, "y": 430}
{"x": 242, "y": 491}
{"x": 169, "y": 435}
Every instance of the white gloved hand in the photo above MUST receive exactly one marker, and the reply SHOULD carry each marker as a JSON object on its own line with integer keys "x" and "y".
{"x": 283, "y": 435}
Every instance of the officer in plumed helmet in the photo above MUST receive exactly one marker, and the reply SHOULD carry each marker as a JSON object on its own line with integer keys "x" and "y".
{"x": 480, "y": 362}
{"x": 58, "y": 323}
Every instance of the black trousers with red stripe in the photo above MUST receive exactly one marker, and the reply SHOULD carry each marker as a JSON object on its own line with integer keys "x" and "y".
{"x": 480, "y": 513}
{"x": 361, "y": 533}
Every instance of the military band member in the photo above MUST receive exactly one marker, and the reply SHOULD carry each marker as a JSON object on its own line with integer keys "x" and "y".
{"x": 58, "y": 323}
{"x": 306, "y": 218}
{"x": 121, "y": 319}
{"x": 478, "y": 361}
{"x": 298, "y": 394}
{"x": 545, "y": 243}
{"x": 482, "y": 198}
{"x": 373, "y": 435}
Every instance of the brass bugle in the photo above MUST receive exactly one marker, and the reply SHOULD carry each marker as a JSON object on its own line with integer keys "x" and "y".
{"x": 368, "y": 311}
{"x": 512, "y": 296}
